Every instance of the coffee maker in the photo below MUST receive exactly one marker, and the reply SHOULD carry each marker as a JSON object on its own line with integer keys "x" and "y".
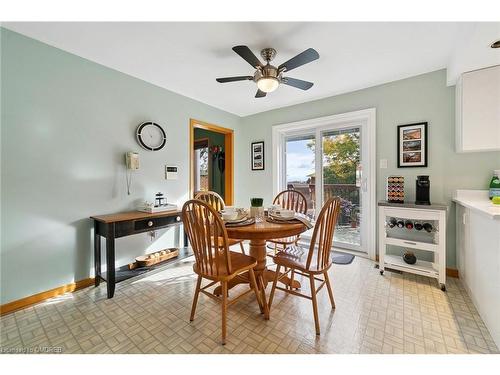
{"x": 423, "y": 186}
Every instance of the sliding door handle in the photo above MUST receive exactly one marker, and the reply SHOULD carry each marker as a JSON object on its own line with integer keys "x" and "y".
{"x": 364, "y": 184}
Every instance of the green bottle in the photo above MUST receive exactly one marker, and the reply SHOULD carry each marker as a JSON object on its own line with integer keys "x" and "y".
{"x": 495, "y": 184}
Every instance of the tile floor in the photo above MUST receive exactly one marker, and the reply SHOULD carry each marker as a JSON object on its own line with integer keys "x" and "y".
{"x": 394, "y": 313}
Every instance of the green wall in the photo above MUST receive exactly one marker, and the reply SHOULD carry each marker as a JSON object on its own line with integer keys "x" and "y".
{"x": 66, "y": 123}
{"x": 215, "y": 174}
{"x": 421, "y": 98}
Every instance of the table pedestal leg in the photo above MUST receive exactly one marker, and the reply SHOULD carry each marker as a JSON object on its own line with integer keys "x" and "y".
{"x": 269, "y": 275}
{"x": 262, "y": 274}
{"x": 258, "y": 251}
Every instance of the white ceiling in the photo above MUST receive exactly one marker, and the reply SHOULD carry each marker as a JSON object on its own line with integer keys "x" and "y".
{"x": 187, "y": 57}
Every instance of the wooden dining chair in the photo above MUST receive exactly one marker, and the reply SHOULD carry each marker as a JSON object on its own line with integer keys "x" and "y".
{"x": 217, "y": 264}
{"x": 314, "y": 262}
{"x": 289, "y": 200}
{"x": 217, "y": 203}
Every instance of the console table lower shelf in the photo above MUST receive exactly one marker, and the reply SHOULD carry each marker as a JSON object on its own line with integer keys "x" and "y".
{"x": 124, "y": 272}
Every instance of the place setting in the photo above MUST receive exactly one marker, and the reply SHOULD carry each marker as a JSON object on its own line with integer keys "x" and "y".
{"x": 278, "y": 215}
{"x": 235, "y": 217}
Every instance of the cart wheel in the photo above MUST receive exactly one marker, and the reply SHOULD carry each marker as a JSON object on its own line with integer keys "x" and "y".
{"x": 381, "y": 272}
{"x": 443, "y": 287}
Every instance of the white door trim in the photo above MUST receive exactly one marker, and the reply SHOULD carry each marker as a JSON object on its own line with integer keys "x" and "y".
{"x": 368, "y": 118}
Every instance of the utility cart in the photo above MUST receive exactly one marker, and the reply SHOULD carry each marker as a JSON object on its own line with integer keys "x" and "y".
{"x": 409, "y": 227}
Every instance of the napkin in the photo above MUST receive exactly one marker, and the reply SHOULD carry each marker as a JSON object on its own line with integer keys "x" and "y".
{"x": 300, "y": 217}
{"x": 304, "y": 220}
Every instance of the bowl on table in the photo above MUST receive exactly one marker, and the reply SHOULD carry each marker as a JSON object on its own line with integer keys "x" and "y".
{"x": 229, "y": 215}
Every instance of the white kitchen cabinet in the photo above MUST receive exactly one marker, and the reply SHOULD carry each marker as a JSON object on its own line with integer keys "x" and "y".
{"x": 478, "y": 254}
{"x": 478, "y": 110}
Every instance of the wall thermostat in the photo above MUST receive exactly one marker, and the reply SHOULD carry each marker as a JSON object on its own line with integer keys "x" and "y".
{"x": 170, "y": 172}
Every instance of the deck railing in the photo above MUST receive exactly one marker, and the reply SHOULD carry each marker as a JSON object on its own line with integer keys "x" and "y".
{"x": 348, "y": 192}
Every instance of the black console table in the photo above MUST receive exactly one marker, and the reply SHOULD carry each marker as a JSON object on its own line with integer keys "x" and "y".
{"x": 120, "y": 225}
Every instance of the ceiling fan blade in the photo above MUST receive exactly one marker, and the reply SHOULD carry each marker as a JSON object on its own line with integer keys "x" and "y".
{"x": 234, "y": 79}
{"x": 247, "y": 55}
{"x": 260, "y": 94}
{"x": 298, "y": 83}
{"x": 305, "y": 57}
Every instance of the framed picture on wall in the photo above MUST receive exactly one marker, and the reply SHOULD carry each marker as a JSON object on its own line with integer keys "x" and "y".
{"x": 257, "y": 156}
{"x": 412, "y": 145}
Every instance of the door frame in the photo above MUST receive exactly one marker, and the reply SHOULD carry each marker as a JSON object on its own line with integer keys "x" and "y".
{"x": 367, "y": 120}
{"x": 229, "y": 160}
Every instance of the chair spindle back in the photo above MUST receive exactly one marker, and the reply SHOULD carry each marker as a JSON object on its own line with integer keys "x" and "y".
{"x": 323, "y": 234}
{"x": 292, "y": 200}
{"x": 212, "y": 198}
{"x": 204, "y": 228}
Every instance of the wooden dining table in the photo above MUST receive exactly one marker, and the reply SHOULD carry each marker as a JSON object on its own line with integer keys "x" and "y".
{"x": 258, "y": 233}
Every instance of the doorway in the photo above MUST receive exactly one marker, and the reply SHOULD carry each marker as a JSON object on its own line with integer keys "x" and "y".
{"x": 211, "y": 159}
{"x": 332, "y": 156}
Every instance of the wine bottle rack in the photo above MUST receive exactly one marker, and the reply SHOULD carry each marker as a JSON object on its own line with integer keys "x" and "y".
{"x": 406, "y": 236}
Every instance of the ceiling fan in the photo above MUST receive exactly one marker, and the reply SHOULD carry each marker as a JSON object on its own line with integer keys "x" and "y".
{"x": 268, "y": 77}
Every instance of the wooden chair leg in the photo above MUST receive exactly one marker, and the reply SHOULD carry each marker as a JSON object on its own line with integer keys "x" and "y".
{"x": 195, "y": 298}
{"x": 275, "y": 281}
{"x": 330, "y": 290}
{"x": 224, "y": 311}
{"x": 242, "y": 248}
{"x": 253, "y": 285}
{"x": 315, "y": 303}
{"x": 263, "y": 297}
{"x": 292, "y": 276}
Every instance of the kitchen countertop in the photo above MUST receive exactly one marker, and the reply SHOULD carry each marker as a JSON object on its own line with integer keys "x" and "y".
{"x": 433, "y": 206}
{"x": 477, "y": 200}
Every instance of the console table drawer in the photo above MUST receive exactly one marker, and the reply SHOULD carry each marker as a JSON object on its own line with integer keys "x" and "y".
{"x": 150, "y": 224}
{"x": 126, "y": 228}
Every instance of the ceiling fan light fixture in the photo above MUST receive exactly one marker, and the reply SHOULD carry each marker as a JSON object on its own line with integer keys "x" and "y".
{"x": 267, "y": 84}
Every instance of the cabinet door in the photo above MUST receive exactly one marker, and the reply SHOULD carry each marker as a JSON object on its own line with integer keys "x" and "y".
{"x": 461, "y": 238}
{"x": 478, "y": 116}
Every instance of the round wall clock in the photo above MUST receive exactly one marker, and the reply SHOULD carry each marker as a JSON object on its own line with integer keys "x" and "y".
{"x": 151, "y": 136}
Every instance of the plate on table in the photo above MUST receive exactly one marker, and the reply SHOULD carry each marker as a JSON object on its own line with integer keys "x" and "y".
{"x": 242, "y": 216}
{"x": 246, "y": 221}
{"x": 278, "y": 217}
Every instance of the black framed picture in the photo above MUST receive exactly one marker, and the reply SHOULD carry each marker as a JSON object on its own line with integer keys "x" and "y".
{"x": 412, "y": 145}
{"x": 257, "y": 156}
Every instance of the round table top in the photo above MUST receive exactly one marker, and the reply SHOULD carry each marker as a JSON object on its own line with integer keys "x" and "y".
{"x": 265, "y": 230}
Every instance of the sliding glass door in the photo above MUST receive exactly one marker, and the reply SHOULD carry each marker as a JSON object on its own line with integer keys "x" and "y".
{"x": 329, "y": 161}
{"x": 341, "y": 177}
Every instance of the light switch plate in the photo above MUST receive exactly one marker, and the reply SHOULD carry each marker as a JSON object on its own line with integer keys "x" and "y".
{"x": 383, "y": 163}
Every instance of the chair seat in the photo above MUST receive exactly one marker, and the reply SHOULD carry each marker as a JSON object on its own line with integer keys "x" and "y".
{"x": 285, "y": 240}
{"x": 230, "y": 241}
{"x": 239, "y": 263}
{"x": 295, "y": 257}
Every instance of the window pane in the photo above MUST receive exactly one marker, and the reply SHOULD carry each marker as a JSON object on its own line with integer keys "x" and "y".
{"x": 342, "y": 178}
{"x": 300, "y": 161}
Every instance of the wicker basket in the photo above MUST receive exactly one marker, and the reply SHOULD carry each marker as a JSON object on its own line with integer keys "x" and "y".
{"x": 149, "y": 260}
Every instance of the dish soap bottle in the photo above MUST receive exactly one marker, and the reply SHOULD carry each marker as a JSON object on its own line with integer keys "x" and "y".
{"x": 495, "y": 184}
